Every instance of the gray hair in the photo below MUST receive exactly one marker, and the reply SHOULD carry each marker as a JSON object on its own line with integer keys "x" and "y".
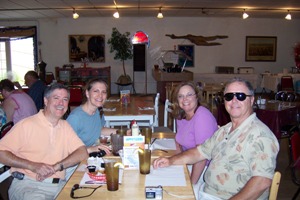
{"x": 240, "y": 80}
{"x": 49, "y": 89}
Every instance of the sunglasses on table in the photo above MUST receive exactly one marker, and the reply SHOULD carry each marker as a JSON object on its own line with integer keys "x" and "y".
{"x": 239, "y": 95}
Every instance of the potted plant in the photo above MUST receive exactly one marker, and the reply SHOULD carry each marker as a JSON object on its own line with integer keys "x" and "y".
{"x": 121, "y": 45}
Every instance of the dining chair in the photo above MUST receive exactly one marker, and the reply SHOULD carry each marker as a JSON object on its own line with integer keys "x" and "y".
{"x": 294, "y": 149}
{"x": 168, "y": 111}
{"x": 6, "y": 128}
{"x": 275, "y": 186}
{"x": 287, "y": 84}
{"x": 76, "y": 95}
{"x": 155, "y": 117}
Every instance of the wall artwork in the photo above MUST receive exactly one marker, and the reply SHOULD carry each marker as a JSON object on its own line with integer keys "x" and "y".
{"x": 261, "y": 48}
{"x": 188, "y": 55}
{"x": 87, "y": 48}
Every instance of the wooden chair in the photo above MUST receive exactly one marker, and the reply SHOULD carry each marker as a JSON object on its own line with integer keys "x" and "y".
{"x": 156, "y": 116}
{"x": 6, "y": 128}
{"x": 275, "y": 186}
{"x": 168, "y": 110}
{"x": 294, "y": 148}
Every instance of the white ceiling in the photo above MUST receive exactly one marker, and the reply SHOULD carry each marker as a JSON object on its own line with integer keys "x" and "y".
{"x": 36, "y": 9}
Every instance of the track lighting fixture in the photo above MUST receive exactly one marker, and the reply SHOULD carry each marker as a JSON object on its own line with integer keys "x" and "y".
{"x": 160, "y": 15}
{"x": 75, "y": 14}
{"x": 245, "y": 15}
{"x": 116, "y": 14}
{"x": 288, "y": 16}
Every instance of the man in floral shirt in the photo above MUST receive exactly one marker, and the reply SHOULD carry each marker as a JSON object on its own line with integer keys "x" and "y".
{"x": 242, "y": 153}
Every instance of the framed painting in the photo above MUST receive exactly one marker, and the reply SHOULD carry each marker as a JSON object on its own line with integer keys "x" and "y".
{"x": 261, "y": 48}
{"x": 187, "y": 57}
{"x": 87, "y": 48}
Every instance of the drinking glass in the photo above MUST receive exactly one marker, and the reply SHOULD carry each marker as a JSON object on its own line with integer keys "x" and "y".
{"x": 147, "y": 132}
{"x": 112, "y": 176}
{"x": 144, "y": 161}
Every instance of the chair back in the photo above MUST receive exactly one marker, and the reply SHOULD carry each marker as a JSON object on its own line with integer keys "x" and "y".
{"x": 4, "y": 173}
{"x": 275, "y": 186}
{"x": 156, "y": 109}
{"x": 6, "y": 128}
{"x": 168, "y": 111}
{"x": 49, "y": 78}
{"x": 75, "y": 95}
{"x": 287, "y": 83}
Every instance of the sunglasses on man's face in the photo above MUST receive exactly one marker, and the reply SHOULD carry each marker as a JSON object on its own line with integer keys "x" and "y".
{"x": 239, "y": 95}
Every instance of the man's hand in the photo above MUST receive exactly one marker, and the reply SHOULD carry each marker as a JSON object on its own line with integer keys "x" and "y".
{"x": 43, "y": 171}
{"x": 161, "y": 162}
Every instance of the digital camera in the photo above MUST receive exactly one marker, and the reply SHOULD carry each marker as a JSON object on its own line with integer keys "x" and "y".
{"x": 153, "y": 192}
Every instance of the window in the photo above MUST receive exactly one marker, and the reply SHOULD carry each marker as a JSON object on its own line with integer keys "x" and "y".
{"x": 17, "y": 52}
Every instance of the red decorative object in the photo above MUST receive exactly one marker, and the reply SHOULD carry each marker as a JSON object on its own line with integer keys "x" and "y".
{"x": 100, "y": 177}
{"x": 140, "y": 38}
{"x": 297, "y": 55}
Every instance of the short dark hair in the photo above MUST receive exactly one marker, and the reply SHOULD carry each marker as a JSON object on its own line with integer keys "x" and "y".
{"x": 33, "y": 74}
{"x": 49, "y": 89}
{"x": 7, "y": 85}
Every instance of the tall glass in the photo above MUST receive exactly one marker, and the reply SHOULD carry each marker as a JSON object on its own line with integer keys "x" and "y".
{"x": 147, "y": 132}
{"x": 112, "y": 176}
{"x": 144, "y": 161}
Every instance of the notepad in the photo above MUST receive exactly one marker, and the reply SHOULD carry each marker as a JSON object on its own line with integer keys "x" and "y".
{"x": 164, "y": 144}
{"x": 168, "y": 176}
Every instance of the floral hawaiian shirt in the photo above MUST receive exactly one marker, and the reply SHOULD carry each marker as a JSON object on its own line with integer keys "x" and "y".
{"x": 248, "y": 151}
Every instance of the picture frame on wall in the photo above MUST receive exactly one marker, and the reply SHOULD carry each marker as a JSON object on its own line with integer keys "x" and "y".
{"x": 261, "y": 48}
{"x": 188, "y": 56}
{"x": 86, "y": 48}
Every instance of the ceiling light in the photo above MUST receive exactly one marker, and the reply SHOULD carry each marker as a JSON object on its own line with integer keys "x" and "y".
{"x": 116, "y": 14}
{"x": 160, "y": 15}
{"x": 245, "y": 15}
{"x": 288, "y": 16}
{"x": 75, "y": 14}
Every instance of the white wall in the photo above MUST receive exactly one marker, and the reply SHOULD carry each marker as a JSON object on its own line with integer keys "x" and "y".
{"x": 54, "y": 37}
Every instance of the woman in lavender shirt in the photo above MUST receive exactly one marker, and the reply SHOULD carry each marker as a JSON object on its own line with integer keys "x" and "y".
{"x": 195, "y": 124}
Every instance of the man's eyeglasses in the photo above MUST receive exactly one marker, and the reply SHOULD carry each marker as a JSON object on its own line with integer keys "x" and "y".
{"x": 239, "y": 95}
{"x": 76, "y": 187}
{"x": 188, "y": 96}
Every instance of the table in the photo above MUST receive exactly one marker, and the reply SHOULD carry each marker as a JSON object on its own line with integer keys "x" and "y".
{"x": 129, "y": 112}
{"x": 275, "y": 117}
{"x": 133, "y": 184}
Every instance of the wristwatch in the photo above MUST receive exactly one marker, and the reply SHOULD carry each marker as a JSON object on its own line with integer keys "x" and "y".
{"x": 61, "y": 167}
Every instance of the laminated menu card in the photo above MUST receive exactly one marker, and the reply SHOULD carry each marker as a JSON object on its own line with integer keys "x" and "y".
{"x": 125, "y": 96}
{"x": 130, "y": 153}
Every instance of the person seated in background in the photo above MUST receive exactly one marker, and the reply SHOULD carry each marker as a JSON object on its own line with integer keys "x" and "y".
{"x": 87, "y": 121}
{"x": 36, "y": 88}
{"x": 242, "y": 153}
{"x": 17, "y": 104}
{"x": 41, "y": 147}
{"x": 195, "y": 124}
